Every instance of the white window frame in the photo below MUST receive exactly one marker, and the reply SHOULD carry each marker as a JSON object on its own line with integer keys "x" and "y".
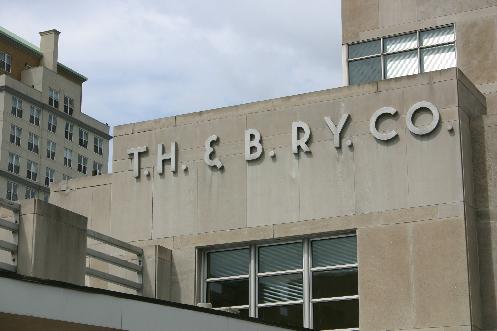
{"x": 97, "y": 168}
{"x": 83, "y": 138}
{"x": 68, "y": 105}
{"x": 68, "y": 131}
{"x": 98, "y": 145}
{"x": 5, "y": 62}
{"x": 67, "y": 157}
{"x": 253, "y": 276}
{"x": 16, "y": 107}
{"x": 14, "y": 164}
{"x": 51, "y": 148}
{"x": 82, "y": 164}
{"x": 32, "y": 168}
{"x": 33, "y": 143}
{"x": 53, "y": 97}
{"x": 16, "y": 133}
{"x": 11, "y": 193}
{"x": 52, "y": 123}
{"x": 49, "y": 176}
{"x": 35, "y": 115}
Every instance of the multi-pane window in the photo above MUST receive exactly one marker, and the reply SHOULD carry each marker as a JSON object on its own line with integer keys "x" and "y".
{"x": 98, "y": 145}
{"x": 51, "y": 146}
{"x": 34, "y": 116}
{"x": 14, "y": 163}
{"x": 52, "y": 123}
{"x": 68, "y": 105}
{"x": 66, "y": 177}
{"x": 67, "y": 157}
{"x": 53, "y": 98}
{"x": 11, "y": 191}
{"x": 30, "y": 193}
{"x": 49, "y": 176}
{"x": 32, "y": 170}
{"x": 306, "y": 283}
{"x": 5, "y": 62}
{"x": 16, "y": 107}
{"x": 68, "y": 131}
{"x": 83, "y": 138}
{"x": 82, "y": 164}
{"x": 97, "y": 168}
{"x": 402, "y": 55}
{"x": 15, "y": 135}
{"x": 33, "y": 142}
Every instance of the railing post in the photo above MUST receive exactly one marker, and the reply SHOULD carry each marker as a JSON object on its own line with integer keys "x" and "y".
{"x": 157, "y": 272}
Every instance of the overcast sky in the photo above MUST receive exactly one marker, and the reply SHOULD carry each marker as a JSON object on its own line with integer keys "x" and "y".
{"x": 150, "y": 59}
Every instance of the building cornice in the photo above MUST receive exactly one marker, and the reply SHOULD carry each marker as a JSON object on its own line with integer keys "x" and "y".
{"x": 55, "y": 111}
{"x": 24, "y": 181}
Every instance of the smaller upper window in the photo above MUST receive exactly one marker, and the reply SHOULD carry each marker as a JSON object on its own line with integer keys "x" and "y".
{"x": 5, "y": 62}
{"x": 14, "y": 163}
{"x": 11, "y": 191}
{"x": 97, "y": 169}
{"x": 16, "y": 107}
{"x": 83, "y": 138}
{"x": 33, "y": 143}
{"x": 67, "y": 157}
{"x": 51, "y": 147}
{"x": 68, "y": 131}
{"x": 53, "y": 98}
{"x": 82, "y": 164}
{"x": 34, "y": 116}
{"x": 52, "y": 123}
{"x": 15, "y": 135}
{"x": 68, "y": 105}
{"x": 49, "y": 176}
{"x": 98, "y": 145}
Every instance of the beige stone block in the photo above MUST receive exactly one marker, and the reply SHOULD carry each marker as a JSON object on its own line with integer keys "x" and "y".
{"x": 358, "y": 16}
{"x": 273, "y": 189}
{"x": 273, "y": 122}
{"x": 131, "y": 207}
{"x": 487, "y": 246}
{"x": 222, "y": 195}
{"x": 385, "y": 277}
{"x": 78, "y": 201}
{"x": 226, "y": 237}
{"x": 434, "y": 173}
{"x": 396, "y": 12}
{"x": 101, "y": 209}
{"x": 440, "y": 277}
{"x": 381, "y": 172}
{"x": 183, "y": 276}
{"x": 434, "y": 9}
{"x": 326, "y": 182}
{"x": 175, "y": 202}
{"x": 477, "y": 34}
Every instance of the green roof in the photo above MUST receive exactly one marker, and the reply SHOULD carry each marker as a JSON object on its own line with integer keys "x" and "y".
{"x": 35, "y": 49}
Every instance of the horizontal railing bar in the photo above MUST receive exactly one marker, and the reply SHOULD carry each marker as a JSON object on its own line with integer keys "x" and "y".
{"x": 114, "y": 242}
{"x": 6, "y": 246}
{"x": 8, "y": 267}
{"x": 9, "y": 225}
{"x": 113, "y": 260}
{"x": 113, "y": 279}
{"x": 14, "y": 206}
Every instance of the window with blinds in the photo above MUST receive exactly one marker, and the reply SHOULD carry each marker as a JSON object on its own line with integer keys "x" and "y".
{"x": 402, "y": 55}
{"x": 310, "y": 282}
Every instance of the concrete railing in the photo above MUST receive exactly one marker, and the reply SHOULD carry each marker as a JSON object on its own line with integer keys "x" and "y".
{"x": 13, "y": 227}
{"x": 135, "y": 267}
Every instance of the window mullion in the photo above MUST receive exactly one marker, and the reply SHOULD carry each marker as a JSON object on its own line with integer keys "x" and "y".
{"x": 307, "y": 285}
{"x": 253, "y": 282}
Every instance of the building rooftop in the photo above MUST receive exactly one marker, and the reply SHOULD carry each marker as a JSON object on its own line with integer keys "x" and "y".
{"x": 36, "y": 50}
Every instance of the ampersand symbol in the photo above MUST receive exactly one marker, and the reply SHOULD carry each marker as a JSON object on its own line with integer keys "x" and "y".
{"x": 209, "y": 150}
